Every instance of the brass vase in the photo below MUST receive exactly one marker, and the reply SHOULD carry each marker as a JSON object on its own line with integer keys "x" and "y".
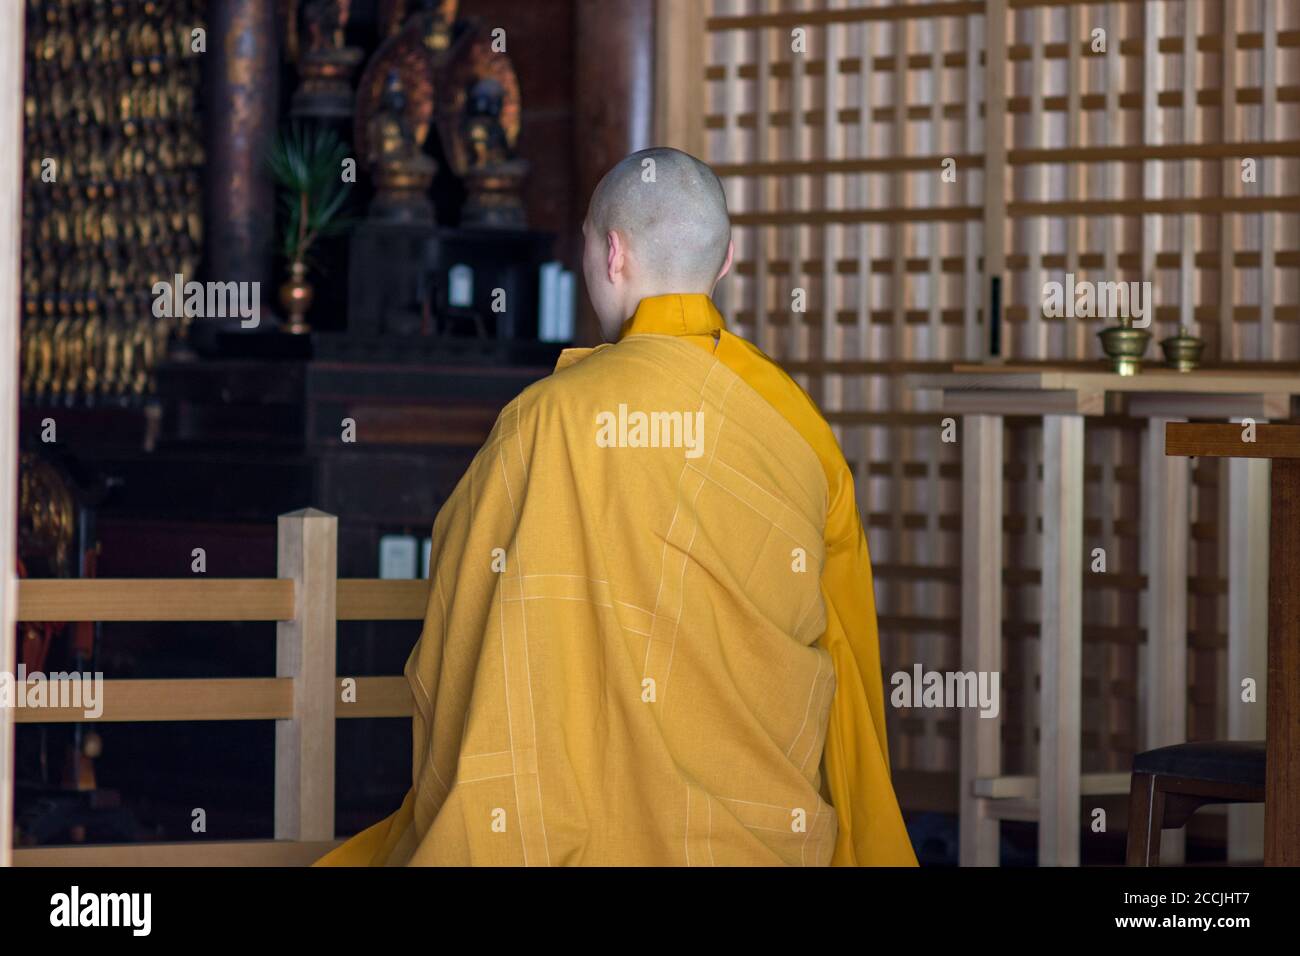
{"x": 1124, "y": 345}
{"x": 296, "y": 295}
{"x": 1183, "y": 351}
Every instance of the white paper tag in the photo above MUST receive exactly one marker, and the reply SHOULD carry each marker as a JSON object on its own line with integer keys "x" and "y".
{"x": 397, "y": 556}
{"x": 460, "y": 286}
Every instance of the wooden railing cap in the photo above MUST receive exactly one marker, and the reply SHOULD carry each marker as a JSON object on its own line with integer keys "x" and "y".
{"x": 1232, "y": 440}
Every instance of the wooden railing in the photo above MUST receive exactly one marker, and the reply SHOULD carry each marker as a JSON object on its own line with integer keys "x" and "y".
{"x": 304, "y": 698}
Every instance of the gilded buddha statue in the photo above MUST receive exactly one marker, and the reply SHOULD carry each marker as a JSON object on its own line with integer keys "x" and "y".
{"x": 326, "y": 62}
{"x": 479, "y": 120}
{"x": 401, "y": 171}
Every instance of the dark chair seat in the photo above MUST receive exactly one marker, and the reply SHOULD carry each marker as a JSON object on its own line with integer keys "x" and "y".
{"x": 1221, "y": 761}
{"x": 1169, "y": 784}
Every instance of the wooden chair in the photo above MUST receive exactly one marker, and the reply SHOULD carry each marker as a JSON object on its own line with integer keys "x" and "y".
{"x": 1172, "y": 783}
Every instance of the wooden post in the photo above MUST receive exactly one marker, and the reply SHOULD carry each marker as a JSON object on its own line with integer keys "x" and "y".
{"x": 1247, "y": 533}
{"x": 981, "y": 628}
{"x": 995, "y": 164}
{"x": 1282, "y": 792}
{"x": 1164, "y": 543}
{"x": 680, "y": 36}
{"x": 1061, "y": 642}
{"x": 11, "y": 191}
{"x": 306, "y": 651}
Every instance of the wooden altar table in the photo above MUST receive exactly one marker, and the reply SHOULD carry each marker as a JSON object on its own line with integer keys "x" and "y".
{"x": 1063, "y": 396}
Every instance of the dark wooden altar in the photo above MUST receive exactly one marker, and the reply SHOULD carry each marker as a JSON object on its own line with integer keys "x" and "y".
{"x": 222, "y": 449}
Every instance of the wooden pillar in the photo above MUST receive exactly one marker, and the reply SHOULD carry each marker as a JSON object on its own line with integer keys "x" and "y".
{"x": 995, "y": 163}
{"x": 240, "y": 84}
{"x": 614, "y": 78}
{"x": 1164, "y": 529}
{"x": 1282, "y": 793}
{"x": 11, "y": 191}
{"x": 1061, "y": 642}
{"x": 981, "y": 627}
{"x": 306, "y": 651}
{"x": 1164, "y": 542}
{"x": 1248, "y": 567}
{"x": 680, "y": 36}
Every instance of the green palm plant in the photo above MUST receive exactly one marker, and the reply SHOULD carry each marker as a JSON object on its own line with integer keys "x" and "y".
{"x": 307, "y": 164}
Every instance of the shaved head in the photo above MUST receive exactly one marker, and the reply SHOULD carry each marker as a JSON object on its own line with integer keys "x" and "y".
{"x": 672, "y": 211}
{"x": 657, "y": 224}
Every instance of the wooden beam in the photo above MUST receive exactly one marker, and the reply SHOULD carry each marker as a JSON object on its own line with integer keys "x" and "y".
{"x": 857, "y": 14}
{"x": 245, "y": 698}
{"x": 306, "y": 648}
{"x": 1250, "y": 381}
{"x": 242, "y": 698}
{"x": 1226, "y": 441}
{"x": 12, "y": 176}
{"x": 374, "y": 599}
{"x": 376, "y": 697}
{"x": 155, "y": 599}
{"x": 214, "y": 599}
{"x": 679, "y": 75}
{"x": 1024, "y": 402}
{"x": 1025, "y": 787}
{"x": 1162, "y": 151}
{"x": 1261, "y": 406}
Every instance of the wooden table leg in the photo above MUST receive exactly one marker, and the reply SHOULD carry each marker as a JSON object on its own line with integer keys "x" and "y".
{"x": 1247, "y": 491}
{"x": 1165, "y": 483}
{"x": 1282, "y": 788}
{"x": 1061, "y": 642}
{"x": 981, "y": 628}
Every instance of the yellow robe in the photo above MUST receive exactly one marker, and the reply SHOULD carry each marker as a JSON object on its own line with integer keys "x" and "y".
{"x": 649, "y": 647}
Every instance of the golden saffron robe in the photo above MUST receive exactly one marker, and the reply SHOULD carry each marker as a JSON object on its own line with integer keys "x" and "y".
{"x": 647, "y": 644}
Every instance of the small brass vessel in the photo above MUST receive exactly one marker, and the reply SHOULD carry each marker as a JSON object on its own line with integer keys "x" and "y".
{"x": 1183, "y": 351}
{"x": 1125, "y": 346}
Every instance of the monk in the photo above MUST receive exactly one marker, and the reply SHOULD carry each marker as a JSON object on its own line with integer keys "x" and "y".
{"x": 651, "y": 636}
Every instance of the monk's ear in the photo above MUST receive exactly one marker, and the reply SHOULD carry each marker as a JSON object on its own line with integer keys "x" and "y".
{"x": 615, "y": 257}
{"x": 726, "y": 266}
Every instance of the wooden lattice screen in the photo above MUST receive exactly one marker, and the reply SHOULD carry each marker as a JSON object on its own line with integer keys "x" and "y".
{"x": 859, "y": 262}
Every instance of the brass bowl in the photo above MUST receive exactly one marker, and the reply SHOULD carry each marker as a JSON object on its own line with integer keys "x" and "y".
{"x": 1125, "y": 347}
{"x": 1183, "y": 351}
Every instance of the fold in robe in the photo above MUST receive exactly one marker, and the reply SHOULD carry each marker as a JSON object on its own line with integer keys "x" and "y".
{"x": 638, "y": 655}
